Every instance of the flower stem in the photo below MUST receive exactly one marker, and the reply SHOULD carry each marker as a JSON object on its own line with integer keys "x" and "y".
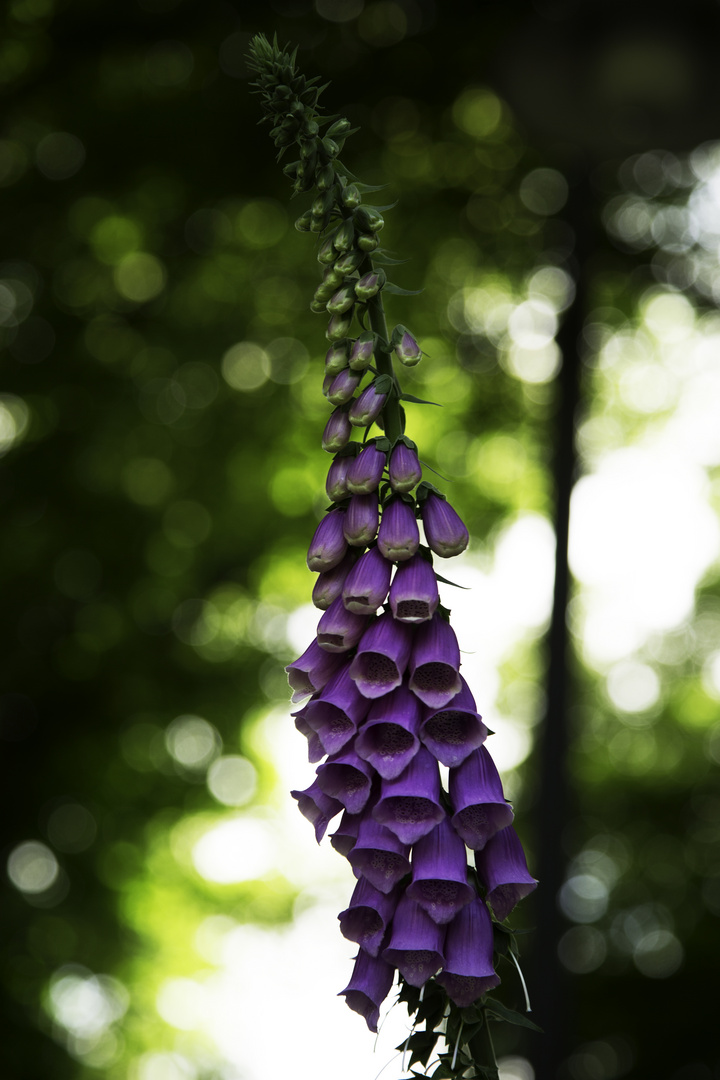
{"x": 483, "y": 1052}
{"x": 392, "y": 413}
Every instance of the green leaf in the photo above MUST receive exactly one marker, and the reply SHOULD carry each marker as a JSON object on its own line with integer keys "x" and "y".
{"x": 397, "y": 291}
{"x": 510, "y": 1016}
{"x": 455, "y": 585}
{"x": 419, "y": 401}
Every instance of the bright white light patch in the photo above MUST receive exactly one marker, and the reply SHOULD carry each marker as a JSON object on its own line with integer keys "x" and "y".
{"x": 632, "y": 686}
{"x": 232, "y": 780}
{"x": 32, "y": 867}
{"x": 192, "y": 741}
{"x": 86, "y": 1004}
{"x": 242, "y": 849}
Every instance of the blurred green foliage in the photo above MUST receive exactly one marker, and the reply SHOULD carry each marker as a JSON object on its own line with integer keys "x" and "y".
{"x": 161, "y": 414}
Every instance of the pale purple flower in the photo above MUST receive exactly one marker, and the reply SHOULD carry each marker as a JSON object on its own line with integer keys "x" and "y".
{"x": 414, "y": 594}
{"x": 439, "y": 873}
{"x": 406, "y": 347}
{"x": 342, "y": 300}
{"x": 378, "y": 855}
{"x": 311, "y": 671}
{"x": 343, "y": 386}
{"x": 409, "y": 805}
{"x": 361, "y": 520}
{"x": 479, "y": 805}
{"x": 468, "y": 971}
{"x": 318, "y": 807}
{"x": 404, "y": 468}
{"x": 382, "y": 656}
{"x": 367, "y": 584}
{"x": 435, "y": 663}
{"x": 337, "y": 431}
{"x": 399, "y": 537}
{"x": 389, "y": 736}
{"x": 336, "y": 483}
{"x": 445, "y": 531}
{"x": 365, "y": 472}
{"x": 328, "y": 546}
{"x": 347, "y": 778}
{"x": 503, "y": 870}
{"x": 361, "y": 353}
{"x": 329, "y": 585}
{"x": 454, "y": 731}
{"x": 336, "y": 358}
{"x": 367, "y": 407}
{"x": 416, "y": 943}
{"x": 367, "y": 916}
{"x": 339, "y": 629}
{"x": 369, "y": 985}
{"x": 316, "y": 750}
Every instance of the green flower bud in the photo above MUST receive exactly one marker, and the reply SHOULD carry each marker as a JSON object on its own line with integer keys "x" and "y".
{"x": 342, "y": 300}
{"x": 323, "y": 293}
{"x": 351, "y": 197}
{"x": 303, "y": 222}
{"x": 368, "y": 220}
{"x": 367, "y": 243}
{"x": 327, "y": 252}
{"x": 344, "y": 237}
{"x": 340, "y": 127}
{"x": 333, "y": 277}
{"x": 370, "y": 284}
{"x": 339, "y": 326}
{"x": 336, "y": 358}
{"x": 329, "y": 149}
{"x": 361, "y": 354}
{"x": 325, "y": 178}
{"x": 348, "y": 262}
{"x": 317, "y": 307}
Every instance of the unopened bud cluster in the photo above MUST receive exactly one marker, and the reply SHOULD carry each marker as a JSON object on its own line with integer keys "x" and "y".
{"x": 387, "y": 703}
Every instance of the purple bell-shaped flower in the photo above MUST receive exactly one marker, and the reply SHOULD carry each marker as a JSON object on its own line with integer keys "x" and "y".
{"x": 367, "y": 916}
{"x": 382, "y": 656}
{"x": 337, "y": 713}
{"x": 503, "y": 870}
{"x": 311, "y": 671}
{"x": 453, "y": 732}
{"x": 339, "y": 629}
{"x": 409, "y": 805}
{"x": 416, "y": 943}
{"x": 439, "y": 873}
{"x": 414, "y": 594}
{"x": 328, "y": 545}
{"x": 389, "y": 739}
{"x": 347, "y": 778}
{"x": 318, "y": 807}
{"x": 369, "y": 985}
{"x": 367, "y": 584}
{"x": 361, "y": 520}
{"x": 435, "y": 663}
{"x": 468, "y": 971}
{"x": 479, "y": 805}
{"x": 399, "y": 537}
{"x": 378, "y": 855}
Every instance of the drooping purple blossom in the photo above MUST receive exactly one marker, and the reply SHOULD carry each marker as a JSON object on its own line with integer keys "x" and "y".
{"x": 341, "y": 301}
{"x": 414, "y": 594}
{"x": 378, "y": 855}
{"x": 366, "y": 470}
{"x": 389, "y": 736}
{"x": 338, "y": 711}
{"x": 361, "y": 353}
{"x": 454, "y": 731}
{"x": 345, "y": 836}
{"x": 479, "y": 805}
{"x": 367, "y": 584}
{"x": 382, "y": 656}
{"x": 409, "y": 805}
{"x": 367, "y": 916}
{"x": 316, "y": 750}
{"x": 416, "y": 943}
{"x": 435, "y": 663}
{"x": 337, "y": 431}
{"x": 404, "y": 468}
{"x": 343, "y": 386}
{"x": 445, "y": 531}
{"x": 406, "y": 347}
{"x": 361, "y": 520}
{"x": 329, "y": 585}
{"x": 318, "y": 807}
{"x": 312, "y": 670}
{"x": 369, "y": 284}
{"x": 339, "y": 629}
{"x": 367, "y": 407}
{"x": 439, "y": 873}
{"x": 336, "y": 483}
{"x": 468, "y": 971}
{"x": 328, "y": 546}
{"x": 369, "y": 985}
{"x": 503, "y": 870}
{"x": 345, "y": 777}
{"x": 399, "y": 537}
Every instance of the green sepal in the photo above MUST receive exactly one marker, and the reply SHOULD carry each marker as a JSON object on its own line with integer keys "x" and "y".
{"x": 454, "y": 584}
{"x": 383, "y": 384}
{"x": 406, "y": 441}
{"x": 397, "y": 291}
{"x": 424, "y": 489}
{"x": 419, "y": 401}
{"x": 382, "y": 256}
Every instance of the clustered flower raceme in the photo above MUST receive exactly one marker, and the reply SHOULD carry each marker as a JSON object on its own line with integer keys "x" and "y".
{"x": 387, "y": 703}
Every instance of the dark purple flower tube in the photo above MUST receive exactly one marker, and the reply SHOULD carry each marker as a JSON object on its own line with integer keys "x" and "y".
{"x": 434, "y": 663}
{"x": 476, "y": 794}
{"x": 336, "y": 483}
{"x": 336, "y": 714}
{"x": 410, "y": 805}
{"x": 452, "y": 733}
{"x": 345, "y": 836}
{"x": 316, "y": 750}
{"x": 404, "y": 468}
{"x": 330, "y": 584}
{"x": 318, "y": 807}
{"x": 311, "y": 671}
{"x": 343, "y": 386}
{"x": 378, "y": 855}
{"x": 389, "y": 737}
{"x": 414, "y": 594}
{"x": 366, "y": 470}
{"x": 367, "y": 584}
{"x": 367, "y": 407}
{"x": 439, "y": 873}
{"x": 399, "y": 536}
{"x": 339, "y": 629}
{"x": 366, "y": 918}
{"x": 361, "y": 520}
{"x": 503, "y": 870}
{"x": 382, "y": 656}
{"x": 416, "y": 943}
{"x": 368, "y": 987}
{"x": 337, "y": 431}
{"x": 345, "y": 777}
{"x": 468, "y": 971}
{"x": 328, "y": 546}
{"x": 445, "y": 531}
